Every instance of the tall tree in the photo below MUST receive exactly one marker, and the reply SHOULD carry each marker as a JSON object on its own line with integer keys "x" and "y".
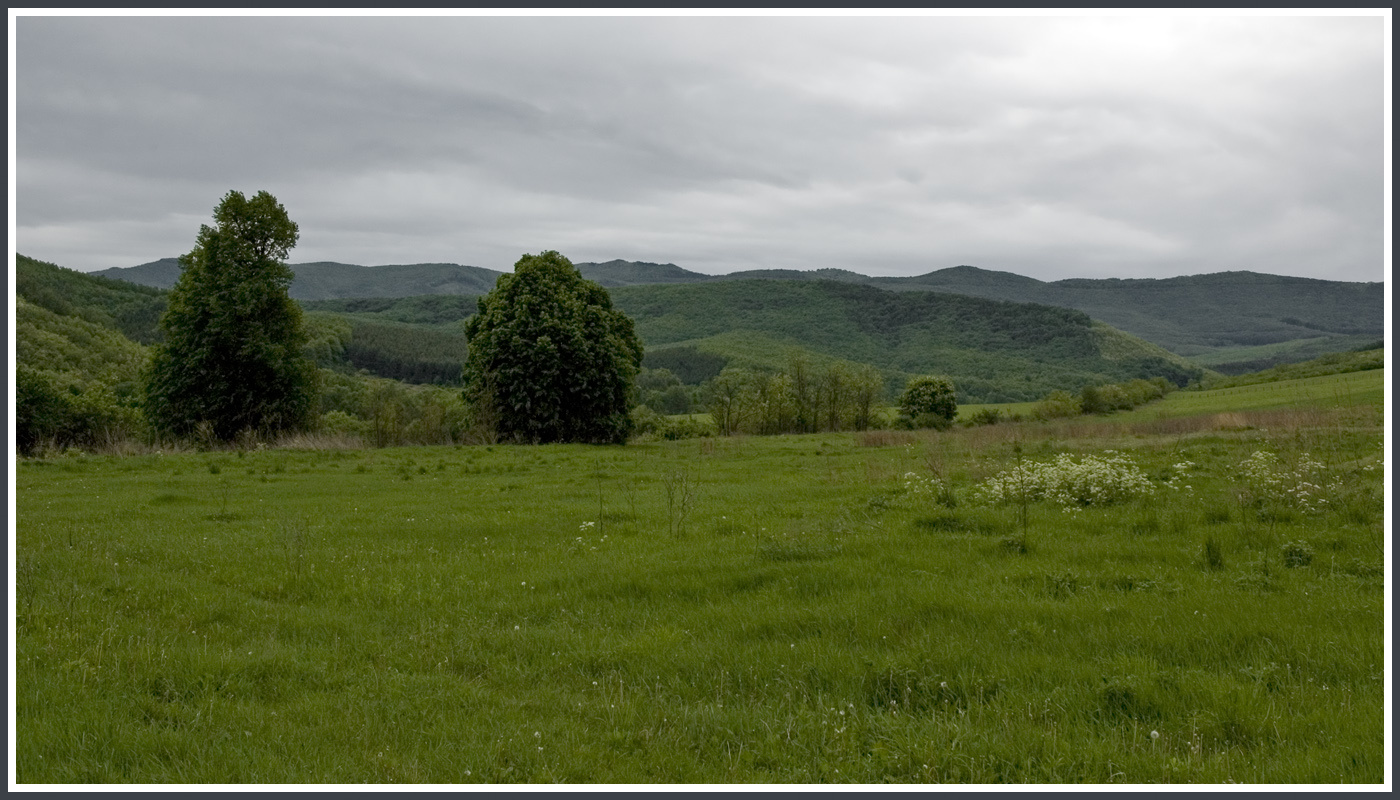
{"x": 233, "y": 357}
{"x": 549, "y": 359}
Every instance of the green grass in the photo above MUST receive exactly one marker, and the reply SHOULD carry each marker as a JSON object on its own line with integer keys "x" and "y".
{"x": 1287, "y": 352}
{"x": 1350, "y": 390}
{"x": 555, "y": 614}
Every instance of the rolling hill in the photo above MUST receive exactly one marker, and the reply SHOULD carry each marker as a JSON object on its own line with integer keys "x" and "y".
{"x": 1220, "y": 319}
{"x": 995, "y": 351}
{"x": 328, "y": 280}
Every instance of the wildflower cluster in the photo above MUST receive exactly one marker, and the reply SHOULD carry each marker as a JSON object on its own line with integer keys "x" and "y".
{"x": 1302, "y": 486}
{"x": 1175, "y": 482}
{"x": 929, "y": 488}
{"x": 1088, "y": 481}
{"x": 917, "y": 485}
{"x": 588, "y": 527}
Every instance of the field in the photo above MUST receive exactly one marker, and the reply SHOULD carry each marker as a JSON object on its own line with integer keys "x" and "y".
{"x": 1190, "y": 592}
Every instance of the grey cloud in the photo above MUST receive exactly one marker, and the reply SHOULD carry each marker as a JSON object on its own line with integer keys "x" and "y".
{"x": 1048, "y": 147}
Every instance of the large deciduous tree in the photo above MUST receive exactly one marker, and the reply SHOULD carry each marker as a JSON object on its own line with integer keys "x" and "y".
{"x": 233, "y": 360}
{"x": 549, "y": 359}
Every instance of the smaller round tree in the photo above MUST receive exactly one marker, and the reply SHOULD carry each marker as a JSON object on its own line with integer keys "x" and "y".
{"x": 930, "y": 401}
{"x": 548, "y": 357}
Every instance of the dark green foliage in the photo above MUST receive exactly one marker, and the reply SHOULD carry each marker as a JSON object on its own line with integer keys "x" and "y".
{"x": 1103, "y": 398}
{"x": 326, "y": 338}
{"x": 72, "y": 350}
{"x": 661, "y": 390}
{"x": 549, "y": 359}
{"x": 413, "y": 354}
{"x": 1092, "y": 401}
{"x": 133, "y": 310}
{"x": 372, "y": 337}
{"x": 386, "y": 413}
{"x": 41, "y": 411}
{"x": 930, "y": 401}
{"x": 691, "y": 366}
{"x": 432, "y": 309}
{"x": 49, "y": 411}
{"x": 233, "y": 357}
{"x": 324, "y": 280}
{"x": 627, "y": 273}
{"x": 1191, "y": 312}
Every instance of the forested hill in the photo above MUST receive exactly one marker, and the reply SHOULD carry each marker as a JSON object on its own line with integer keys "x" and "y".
{"x": 1192, "y": 316}
{"x": 1187, "y": 315}
{"x": 132, "y": 309}
{"x": 995, "y": 351}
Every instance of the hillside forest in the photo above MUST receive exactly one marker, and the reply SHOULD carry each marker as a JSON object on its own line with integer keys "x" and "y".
{"x": 760, "y": 354}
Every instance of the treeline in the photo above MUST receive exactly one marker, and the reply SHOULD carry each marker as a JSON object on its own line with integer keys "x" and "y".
{"x": 995, "y": 351}
{"x": 1102, "y": 399}
{"x": 388, "y": 413}
{"x": 78, "y": 372}
{"x": 433, "y": 309}
{"x": 396, "y": 350}
{"x": 801, "y": 398}
{"x": 687, "y": 364}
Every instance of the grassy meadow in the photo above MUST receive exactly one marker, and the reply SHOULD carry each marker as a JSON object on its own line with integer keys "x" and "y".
{"x": 1190, "y": 592}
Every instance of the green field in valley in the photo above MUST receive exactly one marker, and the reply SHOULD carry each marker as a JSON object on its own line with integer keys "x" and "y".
{"x": 1190, "y": 592}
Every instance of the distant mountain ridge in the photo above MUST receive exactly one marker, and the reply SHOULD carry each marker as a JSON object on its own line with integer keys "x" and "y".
{"x": 330, "y": 280}
{"x": 1190, "y": 316}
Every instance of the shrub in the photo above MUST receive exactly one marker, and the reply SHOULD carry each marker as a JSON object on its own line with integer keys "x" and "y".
{"x": 930, "y": 401}
{"x": 342, "y": 424}
{"x": 989, "y": 416}
{"x": 41, "y": 410}
{"x": 687, "y": 428}
{"x": 1056, "y": 405}
{"x": 645, "y": 421}
{"x": 647, "y": 425}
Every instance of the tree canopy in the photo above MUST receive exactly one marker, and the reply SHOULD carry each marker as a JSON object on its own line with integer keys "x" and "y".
{"x": 232, "y": 359}
{"x": 549, "y": 359}
{"x": 930, "y": 401}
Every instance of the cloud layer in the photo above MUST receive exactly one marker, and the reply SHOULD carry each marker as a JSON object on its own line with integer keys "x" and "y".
{"x": 1052, "y": 147}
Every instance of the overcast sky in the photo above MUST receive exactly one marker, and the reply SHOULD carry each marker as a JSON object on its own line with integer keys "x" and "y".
{"x": 1051, "y": 147}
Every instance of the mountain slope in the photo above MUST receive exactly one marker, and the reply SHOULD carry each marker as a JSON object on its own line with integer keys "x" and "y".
{"x": 130, "y": 308}
{"x": 1199, "y": 315}
{"x": 995, "y": 351}
{"x": 1188, "y": 315}
{"x": 617, "y": 272}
